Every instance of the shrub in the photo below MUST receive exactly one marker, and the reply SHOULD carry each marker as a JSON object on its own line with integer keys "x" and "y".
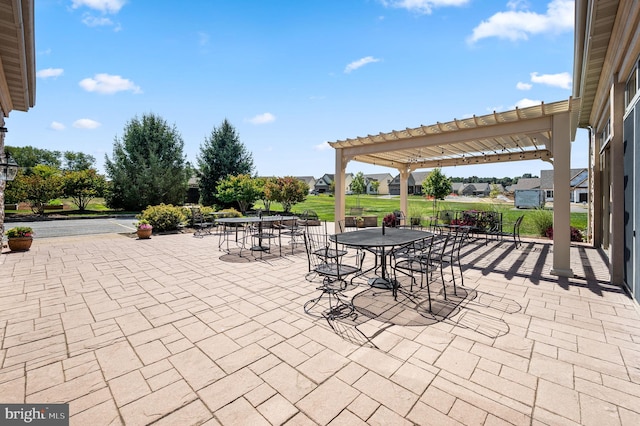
{"x": 576, "y": 234}
{"x": 230, "y": 213}
{"x": 164, "y": 217}
{"x": 542, "y": 221}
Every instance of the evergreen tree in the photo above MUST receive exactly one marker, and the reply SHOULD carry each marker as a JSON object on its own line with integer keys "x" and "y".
{"x": 148, "y": 166}
{"x": 221, "y": 155}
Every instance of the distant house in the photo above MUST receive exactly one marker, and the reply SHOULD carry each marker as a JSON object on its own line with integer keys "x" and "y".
{"x": 383, "y": 179}
{"x": 323, "y": 184}
{"x": 579, "y": 185}
{"x": 414, "y": 183}
{"x": 309, "y": 180}
{"x": 526, "y": 183}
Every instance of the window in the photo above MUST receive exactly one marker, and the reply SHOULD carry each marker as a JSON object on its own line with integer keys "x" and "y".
{"x": 549, "y": 193}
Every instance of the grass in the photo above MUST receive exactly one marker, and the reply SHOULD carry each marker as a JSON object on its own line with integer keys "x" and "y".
{"x": 323, "y": 205}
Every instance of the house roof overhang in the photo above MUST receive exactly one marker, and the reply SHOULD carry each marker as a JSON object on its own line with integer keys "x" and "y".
{"x": 519, "y": 134}
{"x": 594, "y": 20}
{"x": 17, "y": 56}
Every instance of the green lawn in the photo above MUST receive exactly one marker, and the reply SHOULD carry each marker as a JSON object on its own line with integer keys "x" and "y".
{"x": 323, "y": 205}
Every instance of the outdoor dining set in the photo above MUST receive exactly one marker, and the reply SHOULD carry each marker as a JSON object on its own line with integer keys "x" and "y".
{"x": 401, "y": 257}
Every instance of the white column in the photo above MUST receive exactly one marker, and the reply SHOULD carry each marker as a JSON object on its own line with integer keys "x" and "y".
{"x": 404, "y": 190}
{"x": 561, "y": 191}
{"x": 339, "y": 192}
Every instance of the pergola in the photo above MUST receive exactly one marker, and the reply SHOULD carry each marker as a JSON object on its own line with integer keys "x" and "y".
{"x": 543, "y": 132}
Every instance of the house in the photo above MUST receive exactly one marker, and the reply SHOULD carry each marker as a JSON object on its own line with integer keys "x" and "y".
{"x": 383, "y": 179}
{"x": 526, "y": 183}
{"x": 324, "y": 184}
{"x": 414, "y": 184}
{"x": 309, "y": 180}
{"x": 579, "y": 185}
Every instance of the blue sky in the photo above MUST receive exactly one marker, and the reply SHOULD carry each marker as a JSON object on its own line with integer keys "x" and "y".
{"x": 292, "y": 75}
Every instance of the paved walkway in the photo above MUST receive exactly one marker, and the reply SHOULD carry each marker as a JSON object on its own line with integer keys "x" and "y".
{"x": 168, "y": 330}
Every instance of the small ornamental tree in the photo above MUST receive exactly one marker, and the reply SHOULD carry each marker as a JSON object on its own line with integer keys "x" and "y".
{"x": 265, "y": 194}
{"x": 42, "y": 185}
{"x": 358, "y": 186}
{"x": 241, "y": 189}
{"x": 83, "y": 186}
{"x": 287, "y": 191}
{"x": 436, "y": 185}
{"x": 375, "y": 185}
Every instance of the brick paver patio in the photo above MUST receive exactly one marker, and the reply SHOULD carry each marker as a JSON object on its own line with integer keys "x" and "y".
{"x": 171, "y": 331}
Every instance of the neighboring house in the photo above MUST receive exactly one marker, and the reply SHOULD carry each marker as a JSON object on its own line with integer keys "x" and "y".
{"x": 579, "y": 185}
{"x": 418, "y": 179}
{"x": 526, "y": 183}
{"x": 309, "y": 180}
{"x": 323, "y": 184}
{"x": 478, "y": 189}
{"x": 414, "y": 183}
{"x": 384, "y": 180}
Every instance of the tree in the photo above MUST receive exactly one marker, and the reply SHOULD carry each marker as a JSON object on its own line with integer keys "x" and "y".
{"x": 77, "y": 161}
{"x": 241, "y": 189}
{"x": 495, "y": 190}
{"x": 29, "y": 156}
{"x": 375, "y": 185}
{"x": 287, "y": 191}
{"x": 148, "y": 166}
{"x": 221, "y": 155}
{"x": 41, "y": 185}
{"x": 436, "y": 185}
{"x": 262, "y": 184}
{"x": 358, "y": 186}
{"x": 82, "y": 186}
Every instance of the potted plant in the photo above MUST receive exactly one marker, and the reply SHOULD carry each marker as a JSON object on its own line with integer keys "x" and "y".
{"x": 143, "y": 229}
{"x": 20, "y": 238}
{"x": 360, "y": 222}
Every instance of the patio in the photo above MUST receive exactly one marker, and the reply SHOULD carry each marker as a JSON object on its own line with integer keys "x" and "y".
{"x": 139, "y": 331}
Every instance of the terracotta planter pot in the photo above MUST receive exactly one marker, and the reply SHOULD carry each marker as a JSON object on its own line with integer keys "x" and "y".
{"x": 20, "y": 243}
{"x": 144, "y": 234}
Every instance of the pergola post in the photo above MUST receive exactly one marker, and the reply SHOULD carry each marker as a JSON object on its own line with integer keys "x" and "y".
{"x": 339, "y": 187}
{"x": 561, "y": 195}
{"x": 404, "y": 190}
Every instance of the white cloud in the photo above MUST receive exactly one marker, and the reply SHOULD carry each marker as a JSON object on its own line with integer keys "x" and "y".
{"x": 518, "y": 23}
{"x": 562, "y": 80}
{"x": 92, "y": 21}
{"x": 523, "y": 86}
{"x": 422, "y": 6}
{"x": 86, "y": 123}
{"x": 265, "y": 118}
{"x": 524, "y": 103}
{"x": 104, "y": 6}
{"x": 108, "y": 84}
{"x": 322, "y": 146}
{"x": 50, "y": 72}
{"x": 56, "y": 126}
{"x": 360, "y": 63}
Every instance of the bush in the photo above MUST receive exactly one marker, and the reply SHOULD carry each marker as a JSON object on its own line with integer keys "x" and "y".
{"x": 164, "y": 217}
{"x": 230, "y": 213}
{"x": 542, "y": 220}
{"x": 576, "y": 234}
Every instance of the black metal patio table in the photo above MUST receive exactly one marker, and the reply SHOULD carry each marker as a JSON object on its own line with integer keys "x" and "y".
{"x": 238, "y": 222}
{"x": 385, "y": 239}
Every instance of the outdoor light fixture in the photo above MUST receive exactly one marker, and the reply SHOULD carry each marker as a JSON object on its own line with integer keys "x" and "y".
{"x": 8, "y": 167}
